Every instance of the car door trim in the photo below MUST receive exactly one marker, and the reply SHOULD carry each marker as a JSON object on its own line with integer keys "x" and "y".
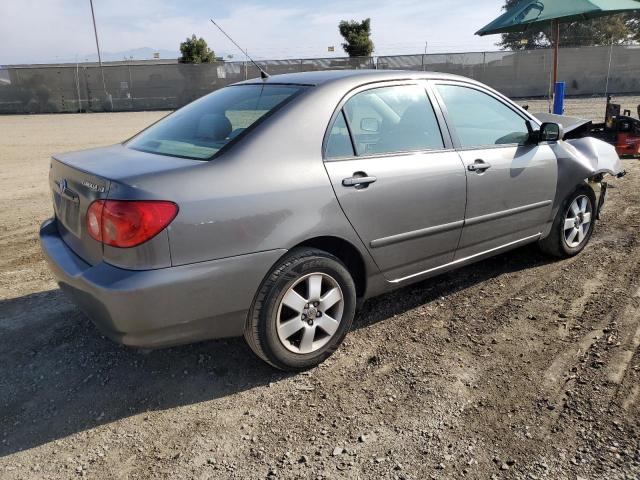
{"x": 403, "y": 153}
{"x": 506, "y": 213}
{"x": 423, "y": 232}
{"x": 470, "y": 258}
{"x": 446, "y": 227}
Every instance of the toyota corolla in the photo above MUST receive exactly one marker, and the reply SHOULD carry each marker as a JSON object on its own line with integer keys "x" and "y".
{"x": 272, "y": 207}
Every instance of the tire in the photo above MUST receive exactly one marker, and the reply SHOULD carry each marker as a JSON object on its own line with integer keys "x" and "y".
{"x": 278, "y": 329}
{"x": 565, "y": 243}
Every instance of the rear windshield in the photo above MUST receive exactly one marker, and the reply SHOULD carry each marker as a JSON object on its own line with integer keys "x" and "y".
{"x": 202, "y": 128}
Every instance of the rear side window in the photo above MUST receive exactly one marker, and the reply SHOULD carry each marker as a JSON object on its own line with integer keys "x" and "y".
{"x": 339, "y": 142}
{"x": 481, "y": 120}
{"x": 393, "y": 119}
{"x": 202, "y": 128}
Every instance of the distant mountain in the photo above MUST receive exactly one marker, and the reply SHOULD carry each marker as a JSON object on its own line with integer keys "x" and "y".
{"x": 143, "y": 53}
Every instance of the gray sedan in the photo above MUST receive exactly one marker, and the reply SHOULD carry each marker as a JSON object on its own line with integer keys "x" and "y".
{"x": 271, "y": 208}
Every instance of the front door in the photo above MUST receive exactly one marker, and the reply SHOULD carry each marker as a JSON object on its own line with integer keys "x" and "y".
{"x": 510, "y": 182}
{"x": 399, "y": 184}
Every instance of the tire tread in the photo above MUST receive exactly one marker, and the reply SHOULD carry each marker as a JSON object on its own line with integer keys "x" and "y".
{"x": 252, "y": 332}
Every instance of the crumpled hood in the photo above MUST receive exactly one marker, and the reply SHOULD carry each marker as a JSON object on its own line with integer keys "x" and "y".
{"x": 587, "y": 155}
{"x": 569, "y": 124}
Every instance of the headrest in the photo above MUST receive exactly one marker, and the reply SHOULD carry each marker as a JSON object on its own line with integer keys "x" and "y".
{"x": 415, "y": 117}
{"x": 214, "y": 126}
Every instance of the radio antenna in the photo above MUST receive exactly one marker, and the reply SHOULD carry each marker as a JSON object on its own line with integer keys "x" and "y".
{"x": 263, "y": 74}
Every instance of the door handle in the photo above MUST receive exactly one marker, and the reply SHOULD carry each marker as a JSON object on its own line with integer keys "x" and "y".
{"x": 359, "y": 179}
{"x": 479, "y": 166}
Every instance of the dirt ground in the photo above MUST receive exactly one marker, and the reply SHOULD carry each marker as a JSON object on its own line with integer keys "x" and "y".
{"x": 516, "y": 367}
{"x": 591, "y": 108}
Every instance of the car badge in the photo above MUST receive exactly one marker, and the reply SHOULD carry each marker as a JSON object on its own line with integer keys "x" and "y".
{"x": 93, "y": 186}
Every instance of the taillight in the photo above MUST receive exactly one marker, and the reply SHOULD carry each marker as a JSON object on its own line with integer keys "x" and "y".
{"x": 127, "y": 223}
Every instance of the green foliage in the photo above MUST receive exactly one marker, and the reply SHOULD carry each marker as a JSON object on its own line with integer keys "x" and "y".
{"x": 357, "y": 37}
{"x": 195, "y": 50}
{"x": 622, "y": 29}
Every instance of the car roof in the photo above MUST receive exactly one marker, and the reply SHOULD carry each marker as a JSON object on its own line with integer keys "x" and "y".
{"x": 356, "y": 76}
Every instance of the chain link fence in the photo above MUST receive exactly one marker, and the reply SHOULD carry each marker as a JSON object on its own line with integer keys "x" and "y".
{"x": 589, "y": 71}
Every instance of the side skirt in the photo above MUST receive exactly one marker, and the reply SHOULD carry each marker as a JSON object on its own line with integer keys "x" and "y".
{"x": 466, "y": 260}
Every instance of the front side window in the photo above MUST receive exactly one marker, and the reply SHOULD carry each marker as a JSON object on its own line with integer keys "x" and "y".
{"x": 393, "y": 119}
{"x": 200, "y": 129}
{"x": 481, "y": 120}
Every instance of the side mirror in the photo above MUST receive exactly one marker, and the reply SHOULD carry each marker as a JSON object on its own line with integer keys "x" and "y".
{"x": 550, "y": 132}
{"x": 371, "y": 125}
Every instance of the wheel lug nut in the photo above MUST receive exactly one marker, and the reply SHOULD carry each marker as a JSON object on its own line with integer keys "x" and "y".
{"x": 319, "y": 314}
{"x": 315, "y": 304}
{"x": 304, "y": 316}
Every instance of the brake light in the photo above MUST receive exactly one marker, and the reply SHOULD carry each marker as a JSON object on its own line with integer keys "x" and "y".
{"x": 127, "y": 223}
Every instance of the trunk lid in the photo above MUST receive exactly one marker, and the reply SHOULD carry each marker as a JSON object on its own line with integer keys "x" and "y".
{"x": 79, "y": 178}
{"x": 73, "y": 191}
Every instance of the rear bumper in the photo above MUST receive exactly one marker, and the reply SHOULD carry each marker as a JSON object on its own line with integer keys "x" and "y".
{"x": 163, "y": 307}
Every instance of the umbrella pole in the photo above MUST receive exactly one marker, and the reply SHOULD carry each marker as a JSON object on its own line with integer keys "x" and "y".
{"x": 556, "y": 47}
{"x": 553, "y": 78}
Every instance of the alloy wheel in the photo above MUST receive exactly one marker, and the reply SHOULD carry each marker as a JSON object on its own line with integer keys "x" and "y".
{"x": 309, "y": 313}
{"x": 577, "y": 221}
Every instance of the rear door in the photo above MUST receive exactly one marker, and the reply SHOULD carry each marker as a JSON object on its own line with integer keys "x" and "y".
{"x": 397, "y": 178}
{"x": 510, "y": 182}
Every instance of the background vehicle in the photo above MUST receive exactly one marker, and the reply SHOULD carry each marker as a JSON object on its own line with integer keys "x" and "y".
{"x": 269, "y": 208}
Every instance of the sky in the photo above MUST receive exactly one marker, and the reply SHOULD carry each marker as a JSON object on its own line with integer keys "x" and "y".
{"x": 40, "y": 31}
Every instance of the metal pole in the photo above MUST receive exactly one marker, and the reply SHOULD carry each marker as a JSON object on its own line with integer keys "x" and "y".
{"x": 95, "y": 31}
{"x": 78, "y": 86}
{"x": 130, "y": 85}
{"x": 606, "y": 88}
{"x": 484, "y": 66}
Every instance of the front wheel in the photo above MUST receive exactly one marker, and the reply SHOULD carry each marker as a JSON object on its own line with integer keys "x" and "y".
{"x": 573, "y": 225}
{"x": 303, "y": 310}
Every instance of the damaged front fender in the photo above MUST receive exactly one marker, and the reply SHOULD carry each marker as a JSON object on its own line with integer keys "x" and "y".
{"x": 593, "y": 156}
{"x": 579, "y": 154}
{"x": 583, "y": 160}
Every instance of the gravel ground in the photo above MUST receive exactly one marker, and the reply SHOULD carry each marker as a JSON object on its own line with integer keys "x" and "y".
{"x": 516, "y": 367}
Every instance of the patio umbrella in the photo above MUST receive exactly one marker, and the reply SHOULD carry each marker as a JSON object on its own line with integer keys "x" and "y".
{"x": 540, "y": 13}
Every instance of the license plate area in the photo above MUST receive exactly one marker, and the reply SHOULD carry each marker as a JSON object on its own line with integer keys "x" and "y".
{"x": 67, "y": 207}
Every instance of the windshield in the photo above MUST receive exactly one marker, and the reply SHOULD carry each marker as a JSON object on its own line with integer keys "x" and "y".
{"x": 202, "y": 128}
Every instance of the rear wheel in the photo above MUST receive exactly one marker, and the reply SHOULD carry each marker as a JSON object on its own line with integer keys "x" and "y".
{"x": 303, "y": 310}
{"x": 573, "y": 225}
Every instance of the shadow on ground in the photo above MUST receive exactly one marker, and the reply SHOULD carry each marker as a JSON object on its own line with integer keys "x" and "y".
{"x": 59, "y": 376}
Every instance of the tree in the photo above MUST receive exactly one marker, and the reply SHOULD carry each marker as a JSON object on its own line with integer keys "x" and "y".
{"x": 195, "y": 50}
{"x": 358, "y": 37}
{"x": 621, "y": 29}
